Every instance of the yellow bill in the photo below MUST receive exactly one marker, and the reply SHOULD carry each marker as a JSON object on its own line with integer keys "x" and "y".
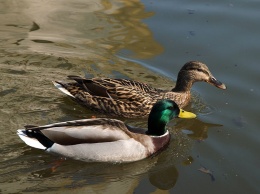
{"x": 186, "y": 115}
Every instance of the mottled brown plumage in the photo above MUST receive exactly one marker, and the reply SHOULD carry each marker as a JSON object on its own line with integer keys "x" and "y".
{"x": 132, "y": 99}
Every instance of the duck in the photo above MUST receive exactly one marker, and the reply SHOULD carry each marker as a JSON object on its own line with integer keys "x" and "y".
{"x": 106, "y": 139}
{"x": 134, "y": 99}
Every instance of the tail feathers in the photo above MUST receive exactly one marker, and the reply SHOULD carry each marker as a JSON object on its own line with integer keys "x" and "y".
{"x": 34, "y": 139}
{"x": 30, "y": 141}
{"x": 62, "y": 88}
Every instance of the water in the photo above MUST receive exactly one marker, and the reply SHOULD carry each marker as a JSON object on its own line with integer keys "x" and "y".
{"x": 147, "y": 41}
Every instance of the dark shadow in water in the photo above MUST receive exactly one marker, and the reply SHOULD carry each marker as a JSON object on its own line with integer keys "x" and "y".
{"x": 8, "y": 91}
{"x": 165, "y": 178}
{"x": 34, "y": 27}
{"x": 42, "y": 41}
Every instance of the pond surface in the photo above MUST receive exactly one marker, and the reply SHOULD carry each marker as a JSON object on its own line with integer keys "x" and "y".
{"x": 148, "y": 41}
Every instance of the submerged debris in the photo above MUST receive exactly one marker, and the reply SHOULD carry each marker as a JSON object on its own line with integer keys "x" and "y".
{"x": 207, "y": 171}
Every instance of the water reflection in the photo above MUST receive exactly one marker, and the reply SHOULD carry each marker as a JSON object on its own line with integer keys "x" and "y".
{"x": 165, "y": 178}
{"x": 88, "y": 30}
{"x": 129, "y": 31}
{"x": 197, "y": 129}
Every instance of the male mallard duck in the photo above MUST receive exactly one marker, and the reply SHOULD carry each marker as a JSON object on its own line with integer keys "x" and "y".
{"x": 130, "y": 98}
{"x": 106, "y": 140}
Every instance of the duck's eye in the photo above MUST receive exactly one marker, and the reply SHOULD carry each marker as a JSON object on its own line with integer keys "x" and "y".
{"x": 197, "y": 69}
{"x": 203, "y": 71}
{"x": 213, "y": 79}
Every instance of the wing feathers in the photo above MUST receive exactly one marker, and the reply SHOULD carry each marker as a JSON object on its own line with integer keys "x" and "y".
{"x": 82, "y": 134}
{"x": 84, "y": 131}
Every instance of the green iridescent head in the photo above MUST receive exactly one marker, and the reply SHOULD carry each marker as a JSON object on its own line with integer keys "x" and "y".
{"x": 162, "y": 112}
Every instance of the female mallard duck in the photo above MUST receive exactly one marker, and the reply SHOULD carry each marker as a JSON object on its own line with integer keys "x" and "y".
{"x": 130, "y": 98}
{"x": 106, "y": 140}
